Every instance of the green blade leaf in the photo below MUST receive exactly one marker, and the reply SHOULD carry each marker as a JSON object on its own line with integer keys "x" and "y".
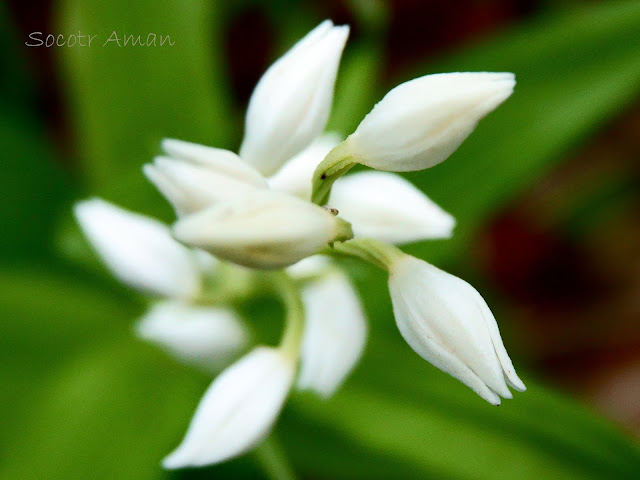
{"x": 575, "y": 70}
{"x": 34, "y": 190}
{"x": 46, "y": 318}
{"x": 126, "y": 98}
{"x": 103, "y": 416}
{"x": 398, "y": 405}
{"x": 85, "y": 398}
{"x": 355, "y": 90}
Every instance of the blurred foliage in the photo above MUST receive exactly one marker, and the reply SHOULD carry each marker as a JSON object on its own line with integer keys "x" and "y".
{"x": 34, "y": 191}
{"x": 575, "y": 70}
{"x": 125, "y": 99}
{"x": 33, "y": 187}
{"x": 87, "y": 400}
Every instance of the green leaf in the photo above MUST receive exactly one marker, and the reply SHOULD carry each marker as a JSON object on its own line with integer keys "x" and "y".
{"x": 16, "y": 86}
{"x": 398, "y": 405}
{"x": 46, "y": 318}
{"x": 574, "y": 70}
{"x": 124, "y": 99}
{"x": 104, "y": 416}
{"x": 33, "y": 188}
{"x": 319, "y": 450}
{"x": 355, "y": 90}
{"x": 84, "y": 397}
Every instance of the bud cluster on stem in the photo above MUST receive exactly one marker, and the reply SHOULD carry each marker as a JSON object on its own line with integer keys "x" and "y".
{"x": 286, "y": 196}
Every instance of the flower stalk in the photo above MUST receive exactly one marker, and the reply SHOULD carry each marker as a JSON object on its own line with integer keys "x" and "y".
{"x": 274, "y": 460}
{"x": 338, "y": 162}
{"x": 288, "y": 292}
{"x": 380, "y": 254}
{"x": 230, "y": 285}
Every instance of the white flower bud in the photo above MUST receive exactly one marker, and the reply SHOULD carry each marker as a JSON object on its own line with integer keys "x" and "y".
{"x": 264, "y": 229}
{"x": 335, "y": 332}
{"x": 207, "y": 337}
{"x": 290, "y": 104}
{"x": 295, "y": 176}
{"x": 420, "y": 123}
{"x": 387, "y": 207}
{"x": 237, "y": 411}
{"x": 217, "y": 160}
{"x": 448, "y": 323}
{"x": 139, "y": 250}
{"x": 190, "y": 187}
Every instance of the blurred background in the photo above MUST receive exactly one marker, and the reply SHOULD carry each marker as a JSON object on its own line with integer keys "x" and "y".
{"x": 546, "y": 193}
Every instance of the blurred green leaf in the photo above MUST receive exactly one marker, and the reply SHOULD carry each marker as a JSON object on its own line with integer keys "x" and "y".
{"x": 104, "y": 416}
{"x": 355, "y": 92}
{"x": 16, "y": 86}
{"x": 33, "y": 189}
{"x": 398, "y": 405}
{"x": 46, "y": 318}
{"x": 85, "y": 398}
{"x": 575, "y": 71}
{"x": 319, "y": 450}
{"x": 124, "y": 99}
{"x": 93, "y": 403}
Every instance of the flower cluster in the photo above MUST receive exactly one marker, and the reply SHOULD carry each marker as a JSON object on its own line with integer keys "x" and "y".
{"x": 260, "y": 221}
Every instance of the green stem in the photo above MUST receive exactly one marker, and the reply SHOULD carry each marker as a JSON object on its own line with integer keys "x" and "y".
{"x": 338, "y": 162}
{"x": 229, "y": 284}
{"x": 273, "y": 460}
{"x": 294, "y": 318}
{"x": 372, "y": 251}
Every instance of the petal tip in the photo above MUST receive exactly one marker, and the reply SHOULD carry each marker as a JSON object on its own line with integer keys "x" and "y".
{"x": 519, "y": 385}
{"x": 176, "y": 459}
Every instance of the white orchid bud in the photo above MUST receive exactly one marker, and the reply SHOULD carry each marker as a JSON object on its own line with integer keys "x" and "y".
{"x": 217, "y": 160}
{"x": 387, "y": 207}
{"x": 264, "y": 229}
{"x": 295, "y": 176}
{"x": 237, "y": 411}
{"x": 190, "y": 187}
{"x": 139, "y": 250}
{"x": 448, "y": 323}
{"x": 206, "y": 337}
{"x": 421, "y": 122}
{"x": 335, "y": 332}
{"x": 290, "y": 104}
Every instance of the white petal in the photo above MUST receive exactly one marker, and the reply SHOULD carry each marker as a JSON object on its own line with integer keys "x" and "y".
{"x": 290, "y": 104}
{"x": 445, "y": 320}
{"x": 309, "y": 267}
{"x": 139, "y": 250}
{"x": 420, "y": 123}
{"x": 511, "y": 377}
{"x": 265, "y": 229}
{"x": 207, "y": 337}
{"x": 237, "y": 411}
{"x": 216, "y": 160}
{"x": 295, "y": 176}
{"x": 206, "y": 262}
{"x": 191, "y": 187}
{"x": 387, "y": 207}
{"x": 335, "y": 332}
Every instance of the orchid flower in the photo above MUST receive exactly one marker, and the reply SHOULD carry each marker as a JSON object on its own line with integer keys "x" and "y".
{"x": 272, "y": 213}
